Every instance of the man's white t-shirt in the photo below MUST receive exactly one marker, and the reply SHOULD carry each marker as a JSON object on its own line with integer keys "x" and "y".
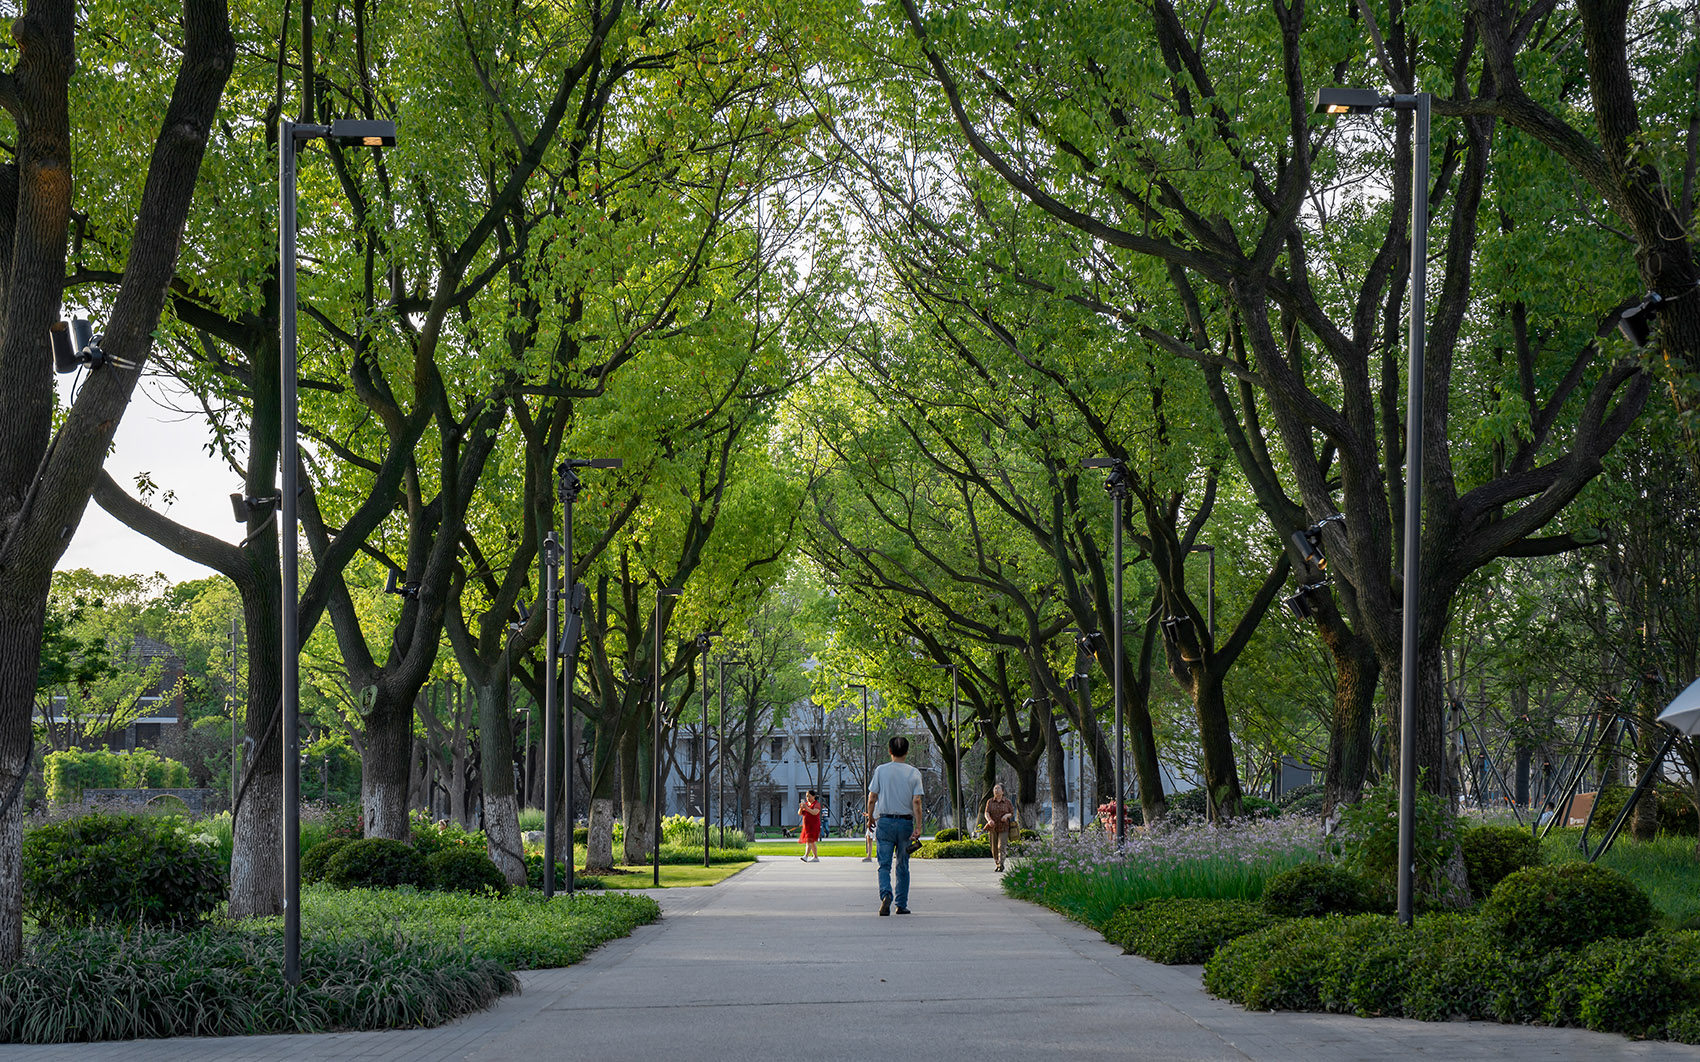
{"x": 895, "y": 787}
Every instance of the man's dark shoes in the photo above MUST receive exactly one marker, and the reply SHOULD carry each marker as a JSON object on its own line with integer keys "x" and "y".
{"x": 885, "y": 907}
{"x": 901, "y": 910}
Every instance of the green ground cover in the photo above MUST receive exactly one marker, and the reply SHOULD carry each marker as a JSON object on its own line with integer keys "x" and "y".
{"x": 370, "y": 959}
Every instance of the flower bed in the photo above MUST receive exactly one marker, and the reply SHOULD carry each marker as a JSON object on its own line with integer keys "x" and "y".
{"x": 1086, "y": 877}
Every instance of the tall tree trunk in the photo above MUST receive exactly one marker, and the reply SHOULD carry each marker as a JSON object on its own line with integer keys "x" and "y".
{"x": 1056, "y": 765}
{"x": 1221, "y": 773}
{"x": 635, "y": 800}
{"x": 256, "y": 857}
{"x": 23, "y": 611}
{"x": 386, "y": 765}
{"x": 501, "y": 808}
{"x": 1350, "y": 744}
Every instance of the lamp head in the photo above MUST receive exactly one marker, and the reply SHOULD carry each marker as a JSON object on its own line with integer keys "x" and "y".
{"x": 359, "y": 133}
{"x": 1636, "y": 323}
{"x": 1334, "y": 100}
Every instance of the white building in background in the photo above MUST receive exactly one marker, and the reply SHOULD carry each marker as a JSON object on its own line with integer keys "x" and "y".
{"x": 826, "y": 755}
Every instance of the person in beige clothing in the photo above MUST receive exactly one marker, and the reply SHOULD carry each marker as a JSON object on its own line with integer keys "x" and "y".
{"x": 999, "y": 815}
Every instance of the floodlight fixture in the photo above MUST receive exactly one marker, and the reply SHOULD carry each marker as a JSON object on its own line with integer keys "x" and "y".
{"x": 361, "y": 133}
{"x": 1636, "y": 323}
{"x": 396, "y": 586}
{"x": 1336, "y": 100}
{"x": 1300, "y": 604}
{"x": 75, "y": 344}
{"x": 246, "y": 506}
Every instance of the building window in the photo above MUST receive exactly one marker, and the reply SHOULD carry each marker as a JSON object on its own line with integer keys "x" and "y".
{"x": 776, "y": 748}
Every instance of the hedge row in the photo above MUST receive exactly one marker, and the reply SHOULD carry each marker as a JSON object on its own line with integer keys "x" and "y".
{"x": 1451, "y": 966}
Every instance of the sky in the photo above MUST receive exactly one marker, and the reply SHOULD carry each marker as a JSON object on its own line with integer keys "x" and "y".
{"x": 168, "y": 445}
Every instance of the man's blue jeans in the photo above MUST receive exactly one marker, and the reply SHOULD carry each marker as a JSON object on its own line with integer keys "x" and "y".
{"x": 892, "y": 837}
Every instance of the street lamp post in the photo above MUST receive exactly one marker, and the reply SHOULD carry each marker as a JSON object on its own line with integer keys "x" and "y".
{"x": 551, "y": 558}
{"x": 867, "y": 770}
{"x": 1363, "y": 101}
{"x": 955, "y": 745}
{"x": 720, "y": 757}
{"x": 655, "y": 737}
{"x": 1116, "y": 485}
{"x": 568, "y": 488}
{"x": 291, "y": 137}
{"x": 705, "y": 641}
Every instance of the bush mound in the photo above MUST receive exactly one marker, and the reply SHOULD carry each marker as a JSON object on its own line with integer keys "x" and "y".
{"x": 122, "y": 983}
{"x": 464, "y": 870}
{"x": 936, "y": 849}
{"x": 1311, "y": 890}
{"x": 377, "y": 863}
{"x": 1177, "y": 930}
{"x": 1449, "y": 966}
{"x": 315, "y": 859}
{"x": 1299, "y": 793}
{"x": 1492, "y": 852}
{"x": 534, "y": 875}
{"x": 949, "y": 833}
{"x": 1676, "y": 812}
{"x": 581, "y": 835}
{"x": 119, "y": 869}
{"x": 1565, "y": 906}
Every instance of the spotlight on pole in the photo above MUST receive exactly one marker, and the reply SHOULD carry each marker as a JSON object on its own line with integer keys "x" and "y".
{"x": 246, "y": 506}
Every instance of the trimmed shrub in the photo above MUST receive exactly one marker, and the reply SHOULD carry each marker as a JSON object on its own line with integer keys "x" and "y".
{"x": 1027, "y": 835}
{"x": 1565, "y": 906}
{"x": 1676, "y": 812}
{"x": 377, "y": 863}
{"x": 316, "y": 858}
{"x": 460, "y": 869}
{"x": 1298, "y": 793}
{"x": 581, "y": 835}
{"x": 1492, "y": 852}
{"x": 1616, "y": 985}
{"x": 1311, "y": 890}
{"x": 1174, "y": 930}
{"x": 955, "y": 850}
{"x": 1310, "y": 804}
{"x": 949, "y": 833}
{"x": 1684, "y": 1026}
{"x": 125, "y": 869}
{"x": 1258, "y": 806}
{"x": 1192, "y": 802}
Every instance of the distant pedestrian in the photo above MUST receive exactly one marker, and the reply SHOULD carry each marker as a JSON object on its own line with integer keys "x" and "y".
{"x": 894, "y": 801}
{"x": 867, "y": 838}
{"x": 999, "y": 815}
{"x": 809, "y": 835}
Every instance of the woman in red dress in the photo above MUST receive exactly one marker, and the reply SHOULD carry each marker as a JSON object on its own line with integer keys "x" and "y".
{"x": 810, "y": 810}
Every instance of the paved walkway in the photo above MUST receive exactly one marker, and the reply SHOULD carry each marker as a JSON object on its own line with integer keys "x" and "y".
{"x": 788, "y": 961}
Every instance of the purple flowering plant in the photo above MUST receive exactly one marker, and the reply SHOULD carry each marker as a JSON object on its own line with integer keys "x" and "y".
{"x": 1086, "y": 876}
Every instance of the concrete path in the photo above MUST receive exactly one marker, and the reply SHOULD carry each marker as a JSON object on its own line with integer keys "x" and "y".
{"x": 789, "y": 961}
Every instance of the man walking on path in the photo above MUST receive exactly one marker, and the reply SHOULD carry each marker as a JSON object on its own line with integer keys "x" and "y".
{"x": 894, "y": 805}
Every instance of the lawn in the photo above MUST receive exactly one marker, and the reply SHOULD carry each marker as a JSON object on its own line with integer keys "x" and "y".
{"x": 837, "y": 847}
{"x": 640, "y": 876}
